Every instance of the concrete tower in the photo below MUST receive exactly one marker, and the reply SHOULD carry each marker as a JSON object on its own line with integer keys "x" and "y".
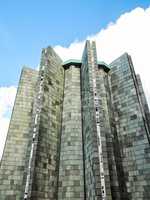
{"x": 80, "y": 130}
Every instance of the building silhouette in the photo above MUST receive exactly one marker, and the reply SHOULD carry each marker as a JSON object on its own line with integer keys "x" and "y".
{"x": 80, "y": 130}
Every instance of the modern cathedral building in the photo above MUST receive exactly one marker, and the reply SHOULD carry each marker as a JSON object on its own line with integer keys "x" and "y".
{"x": 80, "y": 130}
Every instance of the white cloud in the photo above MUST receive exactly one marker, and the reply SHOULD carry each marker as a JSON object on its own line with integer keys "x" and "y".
{"x": 130, "y": 33}
{"x": 7, "y": 97}
{"x": 73, "y": 51}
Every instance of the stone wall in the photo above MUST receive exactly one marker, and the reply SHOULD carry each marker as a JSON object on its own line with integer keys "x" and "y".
{"x": 15, "y": 156}
{"x": 131, "y": 128}
{"x": 71, "y": 180}
{"x": 104, "y": 108}
{"x": 45, "y": 172}
{"x": 90, "y": 139}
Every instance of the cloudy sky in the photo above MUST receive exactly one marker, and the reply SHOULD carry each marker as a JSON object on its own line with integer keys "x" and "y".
{"x": 25, "y": 28}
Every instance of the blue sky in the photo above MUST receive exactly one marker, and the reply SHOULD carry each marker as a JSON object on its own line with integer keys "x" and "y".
{"x": 28, "y": 26}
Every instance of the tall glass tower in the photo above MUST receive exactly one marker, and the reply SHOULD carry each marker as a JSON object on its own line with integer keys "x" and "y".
{"x": 80, "y": 130}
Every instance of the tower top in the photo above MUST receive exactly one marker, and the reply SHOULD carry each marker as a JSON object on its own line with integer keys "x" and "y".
{"x": 88, "y": 46}
{"x": 70, "y": 62}
{"x": 103, "y": 65}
